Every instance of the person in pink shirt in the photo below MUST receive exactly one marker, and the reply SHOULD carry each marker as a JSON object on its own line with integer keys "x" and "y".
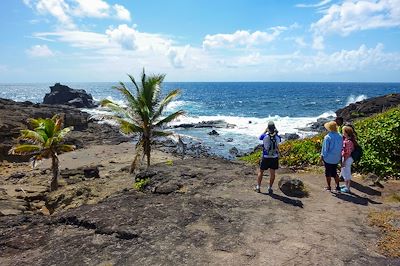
{"x": 349, "y": 143}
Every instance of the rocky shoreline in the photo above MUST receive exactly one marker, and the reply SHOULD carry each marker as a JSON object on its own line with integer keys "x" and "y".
{"x": 196, "y": 209}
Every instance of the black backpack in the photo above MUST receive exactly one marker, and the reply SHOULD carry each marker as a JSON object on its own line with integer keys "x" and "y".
{"x": 357, "y": 153}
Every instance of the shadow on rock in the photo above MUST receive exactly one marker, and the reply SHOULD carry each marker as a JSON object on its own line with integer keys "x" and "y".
{"x": 294, "y": 202}
{"x": 356, "y": 199}
{"x": 365, "y": 189}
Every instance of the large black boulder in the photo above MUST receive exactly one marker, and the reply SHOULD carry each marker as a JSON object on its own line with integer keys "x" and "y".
{"x": 61, "y": 94}
{"x": 369, "y": 107}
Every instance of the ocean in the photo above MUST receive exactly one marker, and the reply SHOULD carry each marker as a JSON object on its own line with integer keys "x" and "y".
{"x": 248, "y": 105}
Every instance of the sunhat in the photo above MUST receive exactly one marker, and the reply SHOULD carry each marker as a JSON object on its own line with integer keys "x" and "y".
{"x": 331, "y": 126}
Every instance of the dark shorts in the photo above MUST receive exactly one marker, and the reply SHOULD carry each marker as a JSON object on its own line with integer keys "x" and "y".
{"x": 330, "y": 169}
{"x": 267, "y": 163}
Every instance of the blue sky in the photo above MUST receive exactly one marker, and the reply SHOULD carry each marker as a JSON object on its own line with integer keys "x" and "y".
{"x": 189, "y": 40}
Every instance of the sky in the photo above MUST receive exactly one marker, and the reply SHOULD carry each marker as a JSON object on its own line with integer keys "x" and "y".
{"x": 208, "y": 40}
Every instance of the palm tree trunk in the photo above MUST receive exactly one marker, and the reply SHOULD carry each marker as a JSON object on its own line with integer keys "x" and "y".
{"x": 54, "y": 168}
{"x": 147, "y": 151}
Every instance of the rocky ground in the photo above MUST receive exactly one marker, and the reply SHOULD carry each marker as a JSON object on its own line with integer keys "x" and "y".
{"x": 194, "y": 211}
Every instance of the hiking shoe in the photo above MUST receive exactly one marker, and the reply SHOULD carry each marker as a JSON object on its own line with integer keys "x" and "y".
{"x": 257, "y": 189}
{"x": 270, "y": 191}
{"x": 345, "y": 190}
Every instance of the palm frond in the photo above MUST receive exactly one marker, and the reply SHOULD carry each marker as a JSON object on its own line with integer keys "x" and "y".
{"x": 134, "y": 83}
{"x": 31, "y": 136}
{"x": 128, "y": 127}
{"x": 65, "y": 148}
{"x": 169, "y": 118}
{"x": 35, "y": 122}
{"x": 63, "y": 132}
{"x": 164, "y": 102}
{"x": 25, "y": 149}
{"x": 116, "y": 109}
{"x": 129, "y": 97}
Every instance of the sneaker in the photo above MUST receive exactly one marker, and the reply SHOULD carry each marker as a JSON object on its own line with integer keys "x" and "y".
{"x": 257, "y": 189}
{"x": 270, "y": 191}
{"x": 327, "y": 188}
{"x": 337, "y": 189}
{"x": 345, "y": 190}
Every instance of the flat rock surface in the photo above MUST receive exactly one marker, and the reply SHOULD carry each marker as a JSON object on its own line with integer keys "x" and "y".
{"x": 211, "y": 215}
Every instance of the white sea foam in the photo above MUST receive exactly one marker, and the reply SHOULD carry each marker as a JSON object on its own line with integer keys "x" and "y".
{"x": 353, "y": 99}
{"x": 176, "y": 105}
{"x": 252, "y": 126}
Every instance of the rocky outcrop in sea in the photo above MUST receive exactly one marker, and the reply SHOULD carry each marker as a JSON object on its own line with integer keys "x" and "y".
{"x": 61, "y": 94}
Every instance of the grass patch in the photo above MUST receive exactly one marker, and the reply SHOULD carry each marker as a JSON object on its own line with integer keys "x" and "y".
{"x": 140, "y": 184}
{"x": 388, "y": 222}
{"x": 394, "y": 197}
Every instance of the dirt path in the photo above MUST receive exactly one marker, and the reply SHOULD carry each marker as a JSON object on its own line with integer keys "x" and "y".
{"x": 202, "y": 212}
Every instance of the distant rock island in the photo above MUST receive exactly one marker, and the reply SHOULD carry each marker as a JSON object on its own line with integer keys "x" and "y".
{"x": 61, "y": 94}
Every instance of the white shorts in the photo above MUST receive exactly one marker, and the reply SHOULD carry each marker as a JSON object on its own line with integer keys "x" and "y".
{"x": 346, "y": 169}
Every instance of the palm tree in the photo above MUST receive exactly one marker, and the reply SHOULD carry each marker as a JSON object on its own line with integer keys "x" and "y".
{"x": 143, "y": 113}
{"x": 44, "y": 141}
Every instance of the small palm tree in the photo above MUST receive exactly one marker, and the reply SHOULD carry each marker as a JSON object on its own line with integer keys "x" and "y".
{"x": 44, "y": 141}
{"x": 143, "y": 114}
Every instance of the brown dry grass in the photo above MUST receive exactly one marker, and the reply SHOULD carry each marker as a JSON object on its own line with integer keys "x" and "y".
{"x": 388, "y": 222}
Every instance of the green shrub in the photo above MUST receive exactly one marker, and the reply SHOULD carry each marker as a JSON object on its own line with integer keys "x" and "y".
{"x": 294, "y": 153}
{"x": 140, "y": 184}
{"x": 379, "y": 136}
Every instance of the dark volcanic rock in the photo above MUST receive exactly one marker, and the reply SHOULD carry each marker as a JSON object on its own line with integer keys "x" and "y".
{"x": 291, "y": 136}
{"x": 207, "y": 124}
{"x": 14, "y": 116}
{"x": 213, "y": 133}
{"x": 369, "y": 107}
{"x": 292, "y": 187}
{"x": 319, "y": 125}
{"x": 61, "y": 94}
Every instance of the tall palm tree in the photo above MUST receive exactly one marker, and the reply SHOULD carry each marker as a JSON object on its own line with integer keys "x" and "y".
{"x": 143, "y": 113}
{"x": 44, "y": 141}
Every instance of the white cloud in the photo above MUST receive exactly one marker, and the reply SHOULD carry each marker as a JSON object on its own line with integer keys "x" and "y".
{"x": 91, "y": 8}
{"x": 39, "y": 51}
{"x": 300, "y": 41}
{"x": 360, "y": 15}
{"x": 122, "y": 13}
{"x": 241, "y": 38}
{"x": 318, "y": 42}
{"x": 320, "y": 4}
{"x": 177, "y": 56}
{"x": 58, "y": 9}
{"x": 66, "y": 10}
{"x": 124, "y": 36}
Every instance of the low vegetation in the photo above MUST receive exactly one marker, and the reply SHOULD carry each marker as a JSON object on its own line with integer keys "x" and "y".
{"x": 379, "y": 137}
{"x": 389, "y": 244}
{"x": 295, "y": 153}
